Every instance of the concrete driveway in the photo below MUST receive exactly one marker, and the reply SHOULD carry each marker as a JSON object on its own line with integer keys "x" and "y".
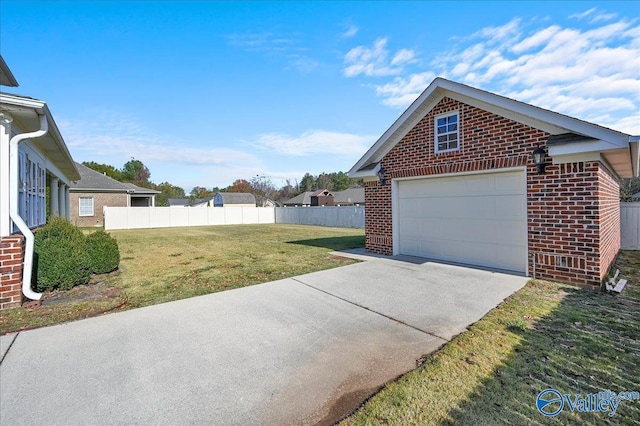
{"x": 303, "y": 350}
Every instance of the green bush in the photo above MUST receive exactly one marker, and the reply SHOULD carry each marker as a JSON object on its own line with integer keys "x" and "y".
{"x": 62, "y": 259}
{"x": 103, "y": 252}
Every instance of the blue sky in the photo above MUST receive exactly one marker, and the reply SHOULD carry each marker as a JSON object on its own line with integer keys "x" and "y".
{"x": 205, "y": 93}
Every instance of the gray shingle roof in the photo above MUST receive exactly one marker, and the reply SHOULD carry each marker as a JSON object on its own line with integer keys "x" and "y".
{"x": 300, "y": 199}
{"x": 237, "y": 198}
{"x": 95, "y": 181}
{"x": 349, "y": 196}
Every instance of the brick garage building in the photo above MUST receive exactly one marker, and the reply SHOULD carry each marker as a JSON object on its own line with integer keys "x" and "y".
{"x": 94, "y": 191}
{"x": 454, "y": 179}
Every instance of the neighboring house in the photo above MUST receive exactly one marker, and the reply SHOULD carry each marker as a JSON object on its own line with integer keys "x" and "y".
{"x": 234, "y": 199}
{"x": 35, "y": 166}
{"x": 300, "y": 200}
{"x": 189, "y": 202}
{"x": 322, "y": 197}
{"x": 349, "y": 197}
{"x": 636, "y": 196}
{"x": 454, "y": 179}
{"x": 95, "y": 190}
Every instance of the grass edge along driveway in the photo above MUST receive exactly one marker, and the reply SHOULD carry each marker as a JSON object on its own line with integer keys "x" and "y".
{"x": 546, "y": 335}
{"x": 162, "y": 265}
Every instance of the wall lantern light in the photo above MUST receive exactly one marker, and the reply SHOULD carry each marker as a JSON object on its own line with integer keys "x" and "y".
{"x": 539, "y": 157}
{"x": 381, "y": 172}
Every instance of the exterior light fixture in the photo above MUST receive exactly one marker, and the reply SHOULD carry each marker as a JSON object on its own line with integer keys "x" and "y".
{"x": 539, "y": 157}
{"x": 381, "y": 172}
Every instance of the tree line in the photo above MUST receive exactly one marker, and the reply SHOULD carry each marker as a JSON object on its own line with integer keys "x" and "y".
{"x": 134, "y": 171}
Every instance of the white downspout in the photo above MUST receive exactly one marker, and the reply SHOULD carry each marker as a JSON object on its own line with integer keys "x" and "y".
{"x": 13, "y": 206}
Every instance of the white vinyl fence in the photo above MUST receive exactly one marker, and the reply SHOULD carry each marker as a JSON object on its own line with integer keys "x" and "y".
{"x": 165, "y": 217}
{"x": 341, "y": 217}
{"x": 630, "y": 226}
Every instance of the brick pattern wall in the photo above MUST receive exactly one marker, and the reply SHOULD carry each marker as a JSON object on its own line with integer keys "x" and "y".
{"x": 563, "y": 223}
{"x": 609, "y": 202}
{"x": 100, "y": 199}
{"x": 563, "y": 218}
{"x": 11, "y": 259}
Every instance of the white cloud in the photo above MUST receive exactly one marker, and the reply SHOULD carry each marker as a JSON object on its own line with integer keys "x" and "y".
{"x": 314, "y": 142}
{"x": 114, "y": 135}
{"x": 351, "y": 31}
{"x": 402, "y": 91}
{"x": 583, "y": 15}
{"x": 374, "y": 61}
{"x": 501, "y": 33}
{"x": 590, "y": 72}
{"x": 403, "y": 56}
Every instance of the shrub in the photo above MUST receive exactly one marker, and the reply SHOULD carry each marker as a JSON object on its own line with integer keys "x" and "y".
{"x": 62, "y": 260}
{"x": 103, "y": 252}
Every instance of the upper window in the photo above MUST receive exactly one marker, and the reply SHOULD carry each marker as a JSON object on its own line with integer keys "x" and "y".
{"x": 85, "y": 205}
{"x": 447, "y": 137}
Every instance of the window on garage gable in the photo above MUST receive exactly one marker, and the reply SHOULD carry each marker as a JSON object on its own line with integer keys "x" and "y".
{"x": 447, "y": 135}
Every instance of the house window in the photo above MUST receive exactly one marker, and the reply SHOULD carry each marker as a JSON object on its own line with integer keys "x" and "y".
{"x": 31, "y": 190}
{"x": 447, "y": 135}
{"x": 85, "y": 205}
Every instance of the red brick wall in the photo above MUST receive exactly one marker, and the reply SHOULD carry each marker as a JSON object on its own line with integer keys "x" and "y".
{"x": 100, "y": 199}
{"x": 11, "y": 259}
{"x": 609, "y": 202}
{"x": 563, "y": 217}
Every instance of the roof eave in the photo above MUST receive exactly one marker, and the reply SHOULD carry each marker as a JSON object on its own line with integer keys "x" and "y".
{"x": 548, "y": 121}
{"x": 60, "y": 154}
{"x": 6, "y": 76}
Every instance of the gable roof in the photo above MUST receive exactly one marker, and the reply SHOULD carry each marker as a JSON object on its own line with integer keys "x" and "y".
{"x": 26, "y": 112}
{"x": 6, "y": 76}
{"x": 350, "y": 196}
{"x": 618, "y": 149}
{"x": 323, "y": 193}
{"x": 92, "y": 181}
{"x": 300, "y": 199}
{"x": 237, "y": 198}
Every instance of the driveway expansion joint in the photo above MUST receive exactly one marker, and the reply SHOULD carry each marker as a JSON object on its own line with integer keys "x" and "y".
{"x": 9, "y": 348}
{"x": 372, "y": 311}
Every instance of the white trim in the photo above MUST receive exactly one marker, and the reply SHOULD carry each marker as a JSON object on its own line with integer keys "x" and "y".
{"x": 539, "y": 118}
{"x": 80, "y": 207}
{"x": 395, "y": 203}
{"x": 576, "y": 158}
{"x": 436, "y": 134}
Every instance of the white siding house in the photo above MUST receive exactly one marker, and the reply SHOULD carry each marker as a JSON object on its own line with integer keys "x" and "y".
{"x": 34, "y": 163}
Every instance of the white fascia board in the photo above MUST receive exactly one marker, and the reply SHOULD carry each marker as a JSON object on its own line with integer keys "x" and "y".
{"x": 581, "y": 147}
{"x": 634, "y": 147}
{"x": 536, "y": 114}
{"x": 577, "y": 158}
{"x": 20, "y": 101}
{"x": 399, "y": 127}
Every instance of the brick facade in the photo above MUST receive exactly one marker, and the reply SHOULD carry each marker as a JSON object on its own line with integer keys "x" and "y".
{"x": 100, "y": 200}
{"x": 11, "y": 260}
{"x": 573, "y": 211}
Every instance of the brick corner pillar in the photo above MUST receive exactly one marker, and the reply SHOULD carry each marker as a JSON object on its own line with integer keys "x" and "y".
{"x": 11, "y": 263}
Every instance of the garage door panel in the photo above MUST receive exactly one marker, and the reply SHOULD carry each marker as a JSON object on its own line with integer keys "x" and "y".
{"x": 475, "y": 219}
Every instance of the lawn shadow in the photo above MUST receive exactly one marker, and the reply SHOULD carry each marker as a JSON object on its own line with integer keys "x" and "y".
{"x": 333, "y": 243}
{"x": 588, "y": 344}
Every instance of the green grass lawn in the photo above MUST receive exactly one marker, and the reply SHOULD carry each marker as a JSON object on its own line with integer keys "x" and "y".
{"x": 544, "y": 336}
{"x": 161, "y": 265}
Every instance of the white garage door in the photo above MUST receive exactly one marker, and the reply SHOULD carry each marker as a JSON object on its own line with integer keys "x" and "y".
{"x": 473, "y": 219}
